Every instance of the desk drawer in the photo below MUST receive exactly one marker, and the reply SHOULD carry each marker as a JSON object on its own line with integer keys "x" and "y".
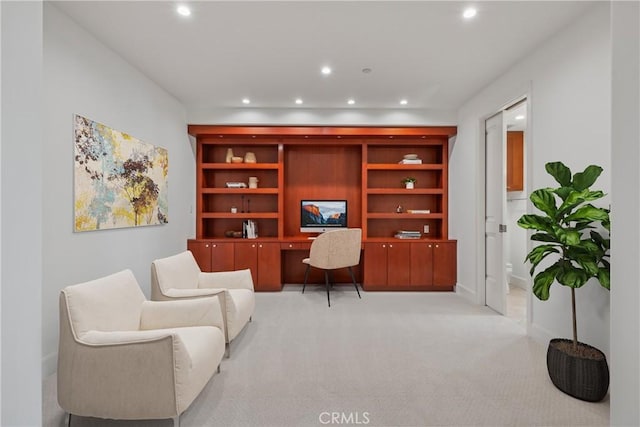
{"x": 295, "y": 246}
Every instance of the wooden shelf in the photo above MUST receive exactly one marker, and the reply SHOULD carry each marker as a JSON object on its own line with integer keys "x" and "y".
{"x": 395, "y": 166}
{"x": 404, "y": 191}
{"x": 225, "y": 190}
{"x": 240, "y": 215}
{"x": 239, "y": 166}
{"x": 393, "y": 215}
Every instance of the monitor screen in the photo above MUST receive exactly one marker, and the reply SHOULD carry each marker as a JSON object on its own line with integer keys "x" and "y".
{"x": 317, "y": 216}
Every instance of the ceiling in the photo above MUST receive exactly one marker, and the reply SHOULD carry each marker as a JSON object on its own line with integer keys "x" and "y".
{"x": 272, "y": 52}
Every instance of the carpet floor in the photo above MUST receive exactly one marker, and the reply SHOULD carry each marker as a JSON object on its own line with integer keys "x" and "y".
{"x": 388, "y": 359}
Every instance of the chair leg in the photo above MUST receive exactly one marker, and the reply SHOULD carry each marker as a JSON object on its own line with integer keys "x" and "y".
{"x": 228, "y": 350}
{"x": 250, "y": 319}
{"x": 306, "y": 275}
{"x": 67, "y": 419}
{"x": 218, "y": 368}
{"x": 353, "y": 277}
{"x": 176, "y": 421}
{"x": 326, "y": 281}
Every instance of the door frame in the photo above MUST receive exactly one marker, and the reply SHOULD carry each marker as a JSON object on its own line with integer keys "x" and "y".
{"x": 481, "y": 192}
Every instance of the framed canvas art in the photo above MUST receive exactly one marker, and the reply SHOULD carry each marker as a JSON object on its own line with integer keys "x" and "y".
{"x": 119, "y": 181}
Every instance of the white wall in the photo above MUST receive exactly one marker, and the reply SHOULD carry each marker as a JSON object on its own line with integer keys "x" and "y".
{"x": 625, "y": 249}
{"x": 567, "y": 80}
{"x": 83, "y": 76}
{"x": 21, "y": 200}
{"x": 324, "y": 117}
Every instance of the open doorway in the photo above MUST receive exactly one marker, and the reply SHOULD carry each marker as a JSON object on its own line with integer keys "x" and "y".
{"x": 506, "y": 280}
{"x": 516, "y": 206}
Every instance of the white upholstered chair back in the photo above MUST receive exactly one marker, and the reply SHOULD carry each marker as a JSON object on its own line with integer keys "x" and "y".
{"x": 179, "y": 271}
{"x": 336, "y": 249}
{"x": 111, "y": 303}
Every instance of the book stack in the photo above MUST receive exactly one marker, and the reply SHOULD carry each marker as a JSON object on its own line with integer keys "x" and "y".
{"x": 419, "y": 211}
{"x": 408, "y": 234}
{"x": 249, "y": 230}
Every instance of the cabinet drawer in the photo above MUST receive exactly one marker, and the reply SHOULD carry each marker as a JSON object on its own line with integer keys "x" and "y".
{"x": 296, "y": 246}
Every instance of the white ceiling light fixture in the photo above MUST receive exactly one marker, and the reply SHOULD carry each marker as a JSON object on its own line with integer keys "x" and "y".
{"x": 246, "y": 101}
{"x": 403, "y": 102}
{"x": 183, "y": 10}
{"x": 469, "y": 12}
{"x": 520, "y": 117}
{"x": 298, "y": 101}
{"x": 326, "y": 70}
{"x": 351, "y": 101}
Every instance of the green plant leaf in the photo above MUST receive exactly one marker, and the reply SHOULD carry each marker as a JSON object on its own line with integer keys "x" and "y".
{"x": 583, "y": 180}
{"x": 567, "y": 237}
{"x": 588, "y": 213}
{"x": 575, "y": 198}
{"x": 544, "y": 237}
{"x": 544, "y": 200}
{"x": 560, "y": 172}
{"x": 571, "y": 276}
{"x": 604, "y": 277}
{"x": 597, "y": 237}
{"x": 539, "y": 253}
{"x": 563, "y": 192}
{"x": 543, "y": 280}
{"x": 536, "y": 222}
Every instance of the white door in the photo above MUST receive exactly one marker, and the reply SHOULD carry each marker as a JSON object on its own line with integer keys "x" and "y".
{"x": 495, "y": 214}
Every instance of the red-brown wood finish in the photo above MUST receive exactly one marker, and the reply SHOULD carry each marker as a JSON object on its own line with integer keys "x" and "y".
{"x": 444, "y": 264}
{"x": 515, "y": 160}
{"x": 359, "y": 164}
{"x": 202, "y": 253}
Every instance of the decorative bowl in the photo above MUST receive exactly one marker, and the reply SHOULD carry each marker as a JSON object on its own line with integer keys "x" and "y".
{"x": 410, "y": 156}
{"x": 236, "y": 159}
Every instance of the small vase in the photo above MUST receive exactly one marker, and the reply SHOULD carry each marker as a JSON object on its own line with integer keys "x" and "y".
{"x": 229, "y": 155}
{"x": 408, "y": 185}
{"x": 250, "y": 157}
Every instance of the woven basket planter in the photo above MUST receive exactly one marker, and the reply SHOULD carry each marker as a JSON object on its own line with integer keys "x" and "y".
{"x": 581, "y": 377}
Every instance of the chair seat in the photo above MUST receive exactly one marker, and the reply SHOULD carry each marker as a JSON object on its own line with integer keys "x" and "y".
{"x": 239, "y": 310}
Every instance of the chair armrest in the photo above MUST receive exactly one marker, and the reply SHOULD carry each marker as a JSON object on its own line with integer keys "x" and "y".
{"x": 238, "y": 279}
{"x": 182, "y": 313}
{"x": 177, "y": 293}
{"x": 129, "y": 366}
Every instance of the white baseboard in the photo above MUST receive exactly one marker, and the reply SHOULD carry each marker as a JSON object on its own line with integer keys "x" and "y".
{"x": 466, "y": 293}
{"x": 49, "y": 364}
{"x": 520, "y": 282}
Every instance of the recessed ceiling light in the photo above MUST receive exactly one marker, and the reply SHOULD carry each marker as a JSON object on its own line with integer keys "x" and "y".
{"x": 403, "y": 102}
{"x": 351, "y": 101}
{"x": 469, "y": 13}
{"x": 326, "y": 70}
{"x": 246, "y": 101}
{"x": 366, "y": 70}
{"x": 520, "y": 117}
{"x": 298, "y": 101}
{"x": 183, "y": 10}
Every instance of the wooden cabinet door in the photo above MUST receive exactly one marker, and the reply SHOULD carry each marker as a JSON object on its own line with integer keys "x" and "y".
{"x": 202, "y": 253}
{"x": 375, "y": 266}
{"x": 398, "y": 264}
{"x": 222, "y": 257}
{"x": 422, "y": 264}
{"x": 515, "y": 160}
{"x": 269, "y": 267}
{"x": 246, "y": 256}
{"x": 444, "y": 264}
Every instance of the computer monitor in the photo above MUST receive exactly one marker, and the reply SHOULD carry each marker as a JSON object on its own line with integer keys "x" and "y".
{"x": 318, "y": 216}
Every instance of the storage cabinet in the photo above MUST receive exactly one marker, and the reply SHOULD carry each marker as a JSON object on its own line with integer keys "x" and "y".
{"x": 363, "y": 165}
{"x": 263, "y": 259}
{"x": 433, "y": 265}
{"x": 515, "y": 160}
{"x": 212, "y": 256}
{"x": 387, "y": 266}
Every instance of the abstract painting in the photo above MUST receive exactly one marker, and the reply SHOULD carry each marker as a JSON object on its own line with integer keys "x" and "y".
{"x": 119, "y": 181}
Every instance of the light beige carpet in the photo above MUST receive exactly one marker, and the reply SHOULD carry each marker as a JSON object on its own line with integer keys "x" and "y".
{"x": 389, "y": 359}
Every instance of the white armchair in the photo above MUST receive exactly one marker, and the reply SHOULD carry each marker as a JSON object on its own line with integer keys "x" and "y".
{"x": 123, "y": 357}
{"x": 179, "y": 277}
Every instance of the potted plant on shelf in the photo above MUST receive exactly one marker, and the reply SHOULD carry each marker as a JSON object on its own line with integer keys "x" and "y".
{"x": 409, "y": 182}
{"x": 577, "y": 234}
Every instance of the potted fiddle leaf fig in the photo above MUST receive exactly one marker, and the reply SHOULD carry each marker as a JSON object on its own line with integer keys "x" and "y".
{"x": 574, "y": 236}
